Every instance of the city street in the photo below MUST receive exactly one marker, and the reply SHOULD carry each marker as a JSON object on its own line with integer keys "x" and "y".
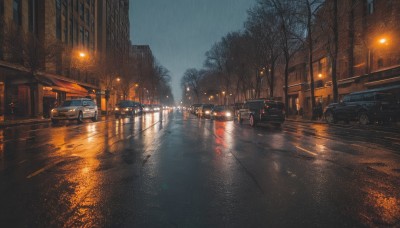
{"x": 175, "y": 170}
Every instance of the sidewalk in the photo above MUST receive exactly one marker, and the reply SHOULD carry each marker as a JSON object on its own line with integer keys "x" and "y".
{"x": 18, "y": 122}
{"x": 296, "y": 118}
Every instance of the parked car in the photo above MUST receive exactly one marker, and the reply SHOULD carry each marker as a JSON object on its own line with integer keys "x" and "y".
{"x": 195, "y": 108}
{"x": 204, "y": 111}
{"x": 127, "y": 108}
{"x": 365, "y": 107}
{"x": 222, "y": 112}
{"x": 148, "y": 108}
{"x": 262, "y": 111}
{"x": 75, "y": 109}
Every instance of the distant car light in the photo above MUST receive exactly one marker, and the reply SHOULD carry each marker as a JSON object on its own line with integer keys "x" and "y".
{"x": 207, "y": 112}
{"x": 116, "y": 109}
{"x": 228, "y": 114}
{"x": 127, "y": 109}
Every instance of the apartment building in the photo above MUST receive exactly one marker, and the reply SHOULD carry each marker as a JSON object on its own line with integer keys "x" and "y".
{"x": 368, "y": 55}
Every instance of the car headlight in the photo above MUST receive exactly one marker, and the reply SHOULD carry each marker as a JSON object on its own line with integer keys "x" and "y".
{"x": 116, "y": 109}
{"x": 54, "y": 110}
{"x": 228, "y": 114}
{"x": 146, "y": 109}
{"x": 207, "y": 112}
{"x": 127, "y": 109}
{"x": 72, "y": 110}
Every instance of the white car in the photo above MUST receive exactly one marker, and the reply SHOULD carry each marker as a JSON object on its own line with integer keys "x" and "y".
{"x": 75, "y": 109}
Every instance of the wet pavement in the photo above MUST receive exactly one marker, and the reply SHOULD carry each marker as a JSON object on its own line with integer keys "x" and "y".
{"x": 176, "y": 170}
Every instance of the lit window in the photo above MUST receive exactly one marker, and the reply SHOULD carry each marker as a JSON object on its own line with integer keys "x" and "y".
{"x": 370, "y": 6}
{"x": 17, "y": 11}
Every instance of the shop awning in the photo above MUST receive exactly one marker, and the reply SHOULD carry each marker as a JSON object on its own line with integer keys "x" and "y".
{"x": 68, "y": 87}
{"x": 63, "y": 85}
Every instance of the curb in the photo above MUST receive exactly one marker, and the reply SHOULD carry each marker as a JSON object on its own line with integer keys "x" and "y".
{"x": 4, "y": 125}
{"x": 306, "y": 121}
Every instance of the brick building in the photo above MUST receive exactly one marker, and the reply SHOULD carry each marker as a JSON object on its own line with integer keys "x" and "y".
{"x": 368, "y": 56}
{"x": 60, "y": 41}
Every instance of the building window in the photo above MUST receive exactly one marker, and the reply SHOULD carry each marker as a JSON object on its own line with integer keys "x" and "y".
{"x": 87, "y": 17}
{"x": 66, "y": 30}
{"x": 370, "y": 6}
{"x": 87, "y": 38}
{"x": 58, "y": 19}
{"x": 1, "y": 7}
{"x": 82, "y": 37}
{"x": 77, "y": 33}
{"x": 32, "y": 16}
{"x": 71, "y": 30}
{"x": 82, "y": 11}
{"x": 380, "y": 63}
{"x": 17, "y": 11}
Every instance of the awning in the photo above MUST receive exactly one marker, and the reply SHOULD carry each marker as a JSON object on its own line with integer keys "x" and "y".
{"x": 63, "y": 86}
{"x": 68, "y": 87}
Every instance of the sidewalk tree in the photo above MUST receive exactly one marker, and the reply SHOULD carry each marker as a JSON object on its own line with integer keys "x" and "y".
{"x": 190, "y": 82}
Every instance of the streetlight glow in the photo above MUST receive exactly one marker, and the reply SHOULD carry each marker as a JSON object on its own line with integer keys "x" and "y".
{"x": 82, "y": 54}
{"x": 383, "y": 41}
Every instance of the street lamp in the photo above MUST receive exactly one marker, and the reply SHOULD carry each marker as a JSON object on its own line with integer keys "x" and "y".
{"x": 82, "y": 54}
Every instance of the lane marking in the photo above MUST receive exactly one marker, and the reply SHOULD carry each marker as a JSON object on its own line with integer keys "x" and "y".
{"x": 307, "y": 151}
{"x": 21, "y": 162}
{"x": 44, "y": 169}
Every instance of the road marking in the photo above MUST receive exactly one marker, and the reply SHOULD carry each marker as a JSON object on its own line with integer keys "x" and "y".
{"x": 21, "y": 162}
{"x": 307, "y": 151}
{"x": 396, "y": 139}
{"x": 44, "y": 169}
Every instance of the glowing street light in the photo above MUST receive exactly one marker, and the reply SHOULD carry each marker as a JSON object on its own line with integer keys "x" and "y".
{"x": 383, "y": 41}
{"x": 82, "y": 54}
{"x": 118, "y": 79}
{"x": 320, "y": 75}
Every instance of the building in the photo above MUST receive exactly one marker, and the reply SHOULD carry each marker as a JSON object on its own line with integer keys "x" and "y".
{"x": 143, "y": 57}
{"x": 113, "y": 42}
{"x": 45, "y": 48}
{"x": 368, "y": 55}
{"x": 50, "y": 50}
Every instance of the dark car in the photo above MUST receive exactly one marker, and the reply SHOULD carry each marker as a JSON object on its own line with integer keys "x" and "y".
{"x": 194, "y": 108}
{"x": 365, "y": 107}
{"x": 262, "y": 111}
{"x": 204, "y": 111}
{"x": 127, "y": 108}
{"x": 222, "y": 112}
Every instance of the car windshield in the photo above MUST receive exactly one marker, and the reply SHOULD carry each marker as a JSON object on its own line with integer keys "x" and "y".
{"x": 71, "y": 103}
{"x": 277, "y": 105}
{"x": 124, "y": 104}
{"x": 384, "y": 97}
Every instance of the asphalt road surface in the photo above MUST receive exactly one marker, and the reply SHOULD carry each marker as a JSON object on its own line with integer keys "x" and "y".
{"x": 176, "y": 170}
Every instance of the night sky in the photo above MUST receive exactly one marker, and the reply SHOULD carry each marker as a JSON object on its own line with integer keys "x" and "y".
{"x": 179, "y": 32}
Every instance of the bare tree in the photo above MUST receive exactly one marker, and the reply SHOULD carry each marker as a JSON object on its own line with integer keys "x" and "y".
{"x": 287, "y": 20}
{"x": 191, "y": 82}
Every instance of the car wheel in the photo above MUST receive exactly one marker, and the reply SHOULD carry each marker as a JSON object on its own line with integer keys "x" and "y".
{"x": 363, "y": 118}
{"x": 252, "y": 121}
{"x": 330, "y": 118}
{"x": 240, "y": 120}
{"x": 277, "y": 125}
{"x": 80, "y": 117}
{"x": 54, "y": 121}
{"x": 94, "y": 119}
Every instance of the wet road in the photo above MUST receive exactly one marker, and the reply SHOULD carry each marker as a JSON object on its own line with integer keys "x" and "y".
{"x": 179, "y": 171}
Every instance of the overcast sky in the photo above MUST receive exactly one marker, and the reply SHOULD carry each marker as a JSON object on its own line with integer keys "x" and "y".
{"x": 179, "y": 32}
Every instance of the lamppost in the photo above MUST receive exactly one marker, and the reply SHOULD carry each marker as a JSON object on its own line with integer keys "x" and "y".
{"x": 381, "y": 41}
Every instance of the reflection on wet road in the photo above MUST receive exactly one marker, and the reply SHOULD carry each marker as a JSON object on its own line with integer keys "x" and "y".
{"x": 176, "y": 170}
